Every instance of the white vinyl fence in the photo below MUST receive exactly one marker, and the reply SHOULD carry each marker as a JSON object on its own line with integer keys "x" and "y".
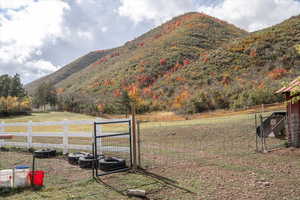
{"x": 65, "y": 135}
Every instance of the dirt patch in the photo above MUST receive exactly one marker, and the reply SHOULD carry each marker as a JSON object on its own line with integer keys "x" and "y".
{"x": 294, "y": 152}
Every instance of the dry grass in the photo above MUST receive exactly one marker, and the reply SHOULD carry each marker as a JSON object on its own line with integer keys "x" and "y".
{"x": 171, "y": 116}
{"x": 214, "y": 157}
{"x": 64, "y": 181}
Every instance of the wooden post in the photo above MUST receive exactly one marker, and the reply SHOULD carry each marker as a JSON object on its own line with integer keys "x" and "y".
{"x": 29, "y": 134}
{"x": 261, "y": 132}
{"x": 134, "y": 151}
{"x": 2, "y": 131}
{"x": 65, "y": 137}
{"x": 262, "y": 135}
{"x": 290, "y": 143}
{"x": 139, "y": 143}
{"x": 256, "y": 133}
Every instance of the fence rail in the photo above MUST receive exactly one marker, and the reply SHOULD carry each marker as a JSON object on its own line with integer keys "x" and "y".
{"x": 65, "y": 134}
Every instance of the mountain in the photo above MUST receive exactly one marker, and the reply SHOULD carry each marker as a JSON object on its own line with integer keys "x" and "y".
{"x": 66, "y": 71}
{"x": 246, "y": 71}
{"x": 192, "y": 63}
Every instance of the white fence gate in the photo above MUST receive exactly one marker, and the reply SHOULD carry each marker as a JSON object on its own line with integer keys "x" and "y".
{"x": 65, "y": 135}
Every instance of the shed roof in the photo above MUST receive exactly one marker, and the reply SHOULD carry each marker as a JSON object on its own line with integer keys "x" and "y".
{"x": 290, "y": 87}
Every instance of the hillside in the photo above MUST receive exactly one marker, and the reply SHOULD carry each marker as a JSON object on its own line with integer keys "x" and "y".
{"x": 244, "y": 72}
{"x": 66, "y": 71}
{"x": 193, "y": 63}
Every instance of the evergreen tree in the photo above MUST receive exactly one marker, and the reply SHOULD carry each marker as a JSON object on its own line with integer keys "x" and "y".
{"x": 16, "y": 87}
{"x": 11, "y": 86}
{"x": 45, "y": 94}
{"x": 4, "y": 85}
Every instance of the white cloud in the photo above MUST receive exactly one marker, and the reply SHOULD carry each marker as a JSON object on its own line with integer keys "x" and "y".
{"x": 250, "y": 15}
{"x": 29, "y": 70}
{"x": 14, "y": 4}
{"x": 42, "y": 66}
{"x": 35, "y": 69}
{"x": 39, "y": 36}
{"x": 85, "y": 35}
{"x": 26, "y": 30}
{"x": 25, "y": 26}
{"x": 104, "y": 29}
{"x": 80, "y": 2}
{"x": 158, "y": 11}
{"x": 255, "y": 14}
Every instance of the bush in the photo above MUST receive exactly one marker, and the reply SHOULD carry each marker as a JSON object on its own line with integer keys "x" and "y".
{"x": 255, "y": 97}
{"x": 14, "y": 106}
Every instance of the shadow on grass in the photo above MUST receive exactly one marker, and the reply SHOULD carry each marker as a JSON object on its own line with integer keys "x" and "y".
{"x": 122, "y": 192}
{"x": 157, "y": 180}
{"x": 165, "y": 180}
{"x": 15, "y": 116}
{"x": 6, "y": 192}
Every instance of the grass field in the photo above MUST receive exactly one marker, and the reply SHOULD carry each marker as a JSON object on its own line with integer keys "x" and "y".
{"x": 212, "y": 157}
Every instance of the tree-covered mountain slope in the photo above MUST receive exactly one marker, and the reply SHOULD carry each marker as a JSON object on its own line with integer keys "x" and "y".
{"x": 69, "y": 69}
{"x": 243, "y": 72}
{"x": 192, "y": 63}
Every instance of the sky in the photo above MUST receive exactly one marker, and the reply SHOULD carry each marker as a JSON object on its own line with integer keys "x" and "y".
{"x": 37, "y": 37}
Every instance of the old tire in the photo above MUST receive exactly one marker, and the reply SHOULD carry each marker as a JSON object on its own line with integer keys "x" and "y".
{"x": 44, "y": 153}
{"x": 86, "y": 162}
{"x": 111, "y": 164}
{"x": 73, "y": 158}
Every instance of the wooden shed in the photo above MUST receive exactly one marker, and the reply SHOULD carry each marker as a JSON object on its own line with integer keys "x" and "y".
{"x": 293, "y": 112}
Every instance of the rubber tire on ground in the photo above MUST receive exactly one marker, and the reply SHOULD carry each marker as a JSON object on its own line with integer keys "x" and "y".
{"x": 45, "y": 153}
{"x": 111, "y": 164}
{"x": 74, "y": 157}
{"x": 87, "y": 161}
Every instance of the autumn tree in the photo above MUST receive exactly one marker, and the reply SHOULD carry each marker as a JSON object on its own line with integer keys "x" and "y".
{"x": 126, "y": 101}
{"x": 13, "y": 98}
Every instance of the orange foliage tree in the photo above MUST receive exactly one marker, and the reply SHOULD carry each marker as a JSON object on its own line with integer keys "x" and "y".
{"x": 180, "y": 99}
{"x": 277, "y": 73}
{"x": 163, "y": 61}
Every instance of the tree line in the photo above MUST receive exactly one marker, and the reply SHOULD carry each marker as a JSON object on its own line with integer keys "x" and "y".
{"x": 11, "y": 86}
{"x": 13, "y": 97}
{"x": 45, "y": 95}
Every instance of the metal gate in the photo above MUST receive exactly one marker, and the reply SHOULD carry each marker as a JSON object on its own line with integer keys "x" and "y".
{"x": 119, "y": 141}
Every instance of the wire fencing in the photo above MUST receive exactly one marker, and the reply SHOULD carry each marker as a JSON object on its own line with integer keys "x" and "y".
{"x": 169, "y": 146}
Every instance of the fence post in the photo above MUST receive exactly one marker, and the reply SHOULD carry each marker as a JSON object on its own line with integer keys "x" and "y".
{"x": 133, "y": 129}
{"x": 65, "y": 137}
{"x": 99, "y": 132}
{"x": 29, "y": 134}
{"x": 262, "y": 134}
{"x": 256, "y": 138}
{"x": 262, "y": 108}
{"x": 2, "y": 131}
{"x": 139, "y": 143}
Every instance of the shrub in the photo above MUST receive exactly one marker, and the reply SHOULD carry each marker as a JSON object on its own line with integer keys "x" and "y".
{"x": 14, "y": 106}
{"x": 277, "y": 73}
{"x": 255, "y": 97}
{"x": 163, "y": 61}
